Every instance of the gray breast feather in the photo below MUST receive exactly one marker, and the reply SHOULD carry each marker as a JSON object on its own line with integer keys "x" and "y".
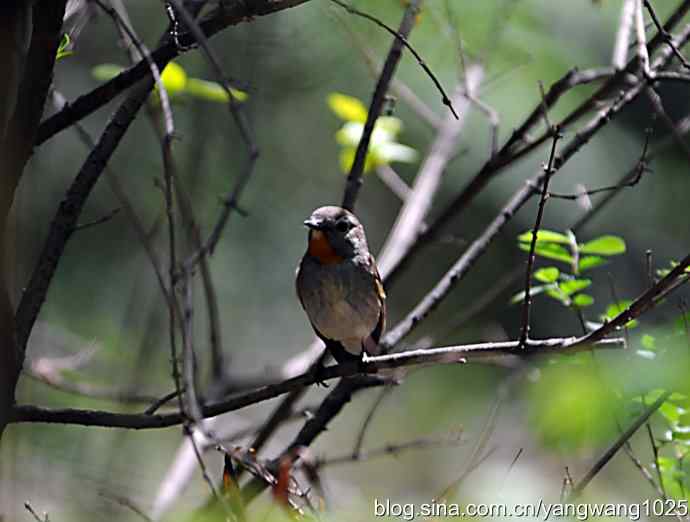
{"x": 341, "y": 301}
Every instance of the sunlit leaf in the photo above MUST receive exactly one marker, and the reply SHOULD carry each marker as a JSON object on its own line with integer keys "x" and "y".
{"x": 649, "y": 342}
{"x": 212, "y": 91}
{"x": 604, "y": 245}
{"x": 347, "y": 107}
{"x": 572, "y": 286}
{"x": 174, "y": 78}
{"x": 547, "y": 274}
{"x": 545, "y": 235}
{"x": 587, "y": 262}
{"x": 62, "y": 50}
{"x": 389, "y": 124}
{"x": 389, "y": 152}
{"x": 349, "y": 134}
{"x": 347, "y": 157}
{"x": 616, "y": 308}
{"x": 583, "y": 300}
{"x": 549, "y": 251}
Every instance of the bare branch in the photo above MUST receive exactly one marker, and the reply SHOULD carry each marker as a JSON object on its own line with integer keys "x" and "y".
{"x": 617, "y": 444}
{"x": 620, "y": 49}
{"x": 527, "y": 305}
{"x": 354, "y": 178}
{"x": 446, "y": 355}
{"x": 403, "y": 38}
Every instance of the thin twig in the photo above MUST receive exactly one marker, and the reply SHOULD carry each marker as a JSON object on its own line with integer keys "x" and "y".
{"x": 524, "y": 335}
{"x": 668, "y": 39}
{"x": 655, "y": 454}
{"x": 408, "y": 224}
{"x": 402, "y": 37}
{"x": 616, "y": 445}
{"x": 37, "y": 518}
{"x": 103, "y": 219}
{"x": 359, "y": 442}
{"x": 390, "y": 449}
{"x": 354, "y": 178}
{"x": 644, "y": 302}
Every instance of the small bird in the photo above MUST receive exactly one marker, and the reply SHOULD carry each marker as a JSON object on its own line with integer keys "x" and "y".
{"x": 339, "y": 285}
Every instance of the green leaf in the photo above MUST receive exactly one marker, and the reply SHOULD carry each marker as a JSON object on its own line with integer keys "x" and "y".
{"x": 649, "y": 342}
{"x": 556, "y": 293}
{"x": 572, "y": 286}
{"x": 347, "y": 107}
{"x": 549, "y": 251}
{"x": 583, "y": 300}
{"x": 106, "y": 71}
{"x": 671, "y": 412}
{"x": 347, "y": 157}
{"x": 548, "y": 274}
{"x": 588, "y": 262}
{"x": 616, "y": 308}
{"x": 62, "y": 50}
{"x": 604, "y": 245}
{"x": 174, "y": 78}
{"x": 349, "y": 134}
{"x": 548, "y": 236}
{"x": 212, "y": 91}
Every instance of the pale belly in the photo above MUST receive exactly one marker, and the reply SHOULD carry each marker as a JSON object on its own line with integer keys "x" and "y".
{"x": 343, "y": 305}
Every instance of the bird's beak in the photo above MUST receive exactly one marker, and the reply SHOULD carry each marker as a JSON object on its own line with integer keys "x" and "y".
{"x": 312, "y": 223}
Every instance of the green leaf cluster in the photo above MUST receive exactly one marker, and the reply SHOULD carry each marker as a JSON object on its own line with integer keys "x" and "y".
{"x": 383, "y": 147}
{"x": 566, "y": 286}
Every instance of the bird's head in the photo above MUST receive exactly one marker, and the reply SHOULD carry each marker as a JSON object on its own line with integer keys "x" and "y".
{"x": 335, "y": 234}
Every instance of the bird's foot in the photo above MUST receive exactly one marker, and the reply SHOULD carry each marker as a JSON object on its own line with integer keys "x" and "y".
{"x": 319, "y": 375}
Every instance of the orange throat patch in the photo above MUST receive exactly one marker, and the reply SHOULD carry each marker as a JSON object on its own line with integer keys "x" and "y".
{"x": 321, "y": 249}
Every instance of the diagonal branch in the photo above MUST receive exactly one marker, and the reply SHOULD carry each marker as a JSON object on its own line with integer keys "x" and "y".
{"x": 354, "y": 178}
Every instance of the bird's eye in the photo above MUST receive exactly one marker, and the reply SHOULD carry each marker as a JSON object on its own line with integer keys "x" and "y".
{"x": 343, "y": 225}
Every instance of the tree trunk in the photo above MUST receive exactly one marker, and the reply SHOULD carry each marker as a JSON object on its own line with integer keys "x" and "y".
{"x": 29, "y": 36}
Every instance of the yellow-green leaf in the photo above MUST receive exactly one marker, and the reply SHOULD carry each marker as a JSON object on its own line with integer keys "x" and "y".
{"x": 616, "y": 308}
{"x": 583, "y": 300}
{"x": 574, "y": 285}
{"x": 549, "y": 250}
{"x": 545, "y": 235}
{"x": 604, "y": 245}
{"x": 548, "y": 274}
{"x": 174, "y": 78}
{"x": 347, "y": 107}
{"x": 588, "y": 262}
{"x": 212, "y": 91}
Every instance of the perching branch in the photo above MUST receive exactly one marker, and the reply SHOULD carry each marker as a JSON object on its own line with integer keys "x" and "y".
{"x": 462, "y": 354}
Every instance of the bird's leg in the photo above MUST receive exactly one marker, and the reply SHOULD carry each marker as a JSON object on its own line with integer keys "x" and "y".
{"x": 317, "y": 369}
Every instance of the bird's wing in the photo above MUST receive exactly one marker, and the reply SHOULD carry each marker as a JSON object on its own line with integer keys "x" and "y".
{"x": 381, "y": 293}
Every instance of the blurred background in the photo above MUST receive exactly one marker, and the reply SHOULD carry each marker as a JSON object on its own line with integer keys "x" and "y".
{"x": 105, "y": 306}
